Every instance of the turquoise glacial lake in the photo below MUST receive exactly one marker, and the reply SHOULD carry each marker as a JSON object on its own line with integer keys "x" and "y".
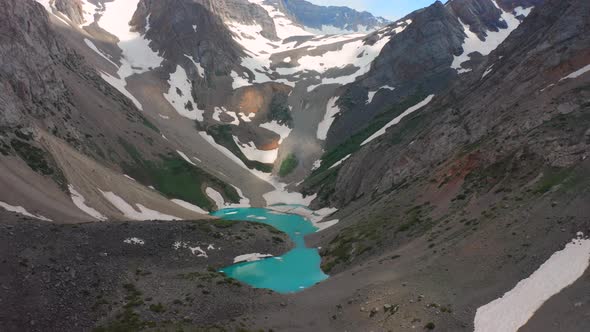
{"x": 295, "y": 271}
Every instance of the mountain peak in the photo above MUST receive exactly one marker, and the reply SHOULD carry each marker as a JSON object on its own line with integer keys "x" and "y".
{"x": 329, "y": 19}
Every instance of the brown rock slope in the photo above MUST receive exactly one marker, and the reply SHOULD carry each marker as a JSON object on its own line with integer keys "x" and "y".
{"x": 68, "y": 125}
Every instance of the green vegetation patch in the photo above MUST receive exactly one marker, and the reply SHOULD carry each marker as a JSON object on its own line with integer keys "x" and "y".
{"x": 149, "y": 124}
{"x": 553, "y": 177}
{"x": 33, "y": 156}
{"x": 39, "y": 161}
{"x": 288, "y": 165}
{"x": 176, "y": 178}
{"x": 279, "y": 110}
{"x": 323, "y": 179}
{"x": 371, "y": 233}
{"x": 222, "y": 134}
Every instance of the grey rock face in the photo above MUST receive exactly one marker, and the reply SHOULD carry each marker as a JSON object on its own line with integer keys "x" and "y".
{"x": 506, "y": 106}
{"x": 479, "y": 15}
{"x": 417, "y": 60}
{"x": 30, "y": 84}
{"x": 72, "y": 9}
{"x": 181, "y": 28}
{"x": 241, "y": 11}
{"x": 315, "y": 17}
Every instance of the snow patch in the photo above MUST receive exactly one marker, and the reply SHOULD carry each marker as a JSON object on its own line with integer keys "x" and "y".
{"x": 316, "y": 164}
{"x": 279, "y": 129}
{"x": 577, "y": 73}
{"x": 194, "y": 250}
{"x": 399, "y": 118}
{"x": 137, "y": 56}
{"x": 518, "y": 305}
{"x": 332, "y": 110}
{"x": 339, "y": 162}
{"x": 472, "y": 43}
{"x": 80, "y": 202}
{"x": 180, "y": 95}
{"x": 22, "y": 210}
{"x": 185, "y": 157}
{"x": 131, "y": 213}
{"x": 189, "y": 206}
{"x": 238, "y": 81}
{"x": 216, "y": 197}
{"x": 372, "y": 94}
{"x": 253, "y": 153}
{"x": 315, "y": 217}
{"x": 134, "y": 241}
{"x": 487, "y": 71}
{"x": 93, "y": 47}
{"x": 200, "y": 69}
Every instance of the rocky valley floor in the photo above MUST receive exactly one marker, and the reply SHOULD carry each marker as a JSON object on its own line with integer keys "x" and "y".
{"x": 127, "y": 276}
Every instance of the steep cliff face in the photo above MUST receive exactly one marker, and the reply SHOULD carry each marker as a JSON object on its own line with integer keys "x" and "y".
{"x": 30, "y": 79}
{"x": 457, "y": 190}
{"x": 67, "y": 133}
{"x": 181, "y": 29}
{"x": 243, "y": 11}
{"x": 511, "y": 98}
{"x": 441, "y": 43}
{"x": 479, "y": 15}
{"x": 416, "y": 59}
{"x": 72, "y": 9}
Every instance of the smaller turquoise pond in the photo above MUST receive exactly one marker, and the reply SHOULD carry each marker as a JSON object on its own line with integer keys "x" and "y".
{"x": 296, "y": 270}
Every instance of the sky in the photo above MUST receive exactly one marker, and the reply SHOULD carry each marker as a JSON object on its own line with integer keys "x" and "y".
{"x": 390, "y": 9}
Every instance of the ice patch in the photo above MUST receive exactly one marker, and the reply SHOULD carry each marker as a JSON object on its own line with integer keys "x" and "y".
{"x": 315, "y": 217}
{"x": 250, "y": 257}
